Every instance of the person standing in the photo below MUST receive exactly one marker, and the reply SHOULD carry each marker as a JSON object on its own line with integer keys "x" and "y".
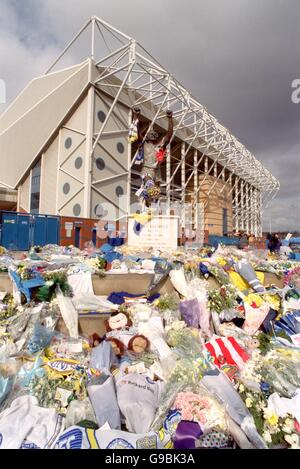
{"x": 243, "y": 243}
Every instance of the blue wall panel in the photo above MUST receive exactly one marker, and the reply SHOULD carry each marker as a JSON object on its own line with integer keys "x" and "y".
{"x": 52, "y": 230}
{"x": 21, "y": 231}
{"x": 39, "y": 226}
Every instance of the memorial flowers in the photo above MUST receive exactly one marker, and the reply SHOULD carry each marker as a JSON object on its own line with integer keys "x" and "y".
{"x": 223, "y": 298}
{"x": 293, "y": 278}
{"x": 166, "y": 302}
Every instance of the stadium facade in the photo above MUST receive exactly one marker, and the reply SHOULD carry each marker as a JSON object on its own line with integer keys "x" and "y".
{"x": 64, "y": 143}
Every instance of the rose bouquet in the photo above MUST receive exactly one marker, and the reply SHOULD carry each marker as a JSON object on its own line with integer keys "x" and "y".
{"x": 202, "y": 408}
{"x": 187, "y": 373}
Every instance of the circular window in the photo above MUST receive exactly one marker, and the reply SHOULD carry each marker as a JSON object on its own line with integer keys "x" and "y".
{"x": 101, "y": 116}
{"x": 78, "y": 162}
{"x": 68, "y": 143}
{"x": 98, "y": 210}
{"x": 100, "y": 163}
{"x": 119, "y": 191}
{"x": 120, "y": 147}
{"x": 77, "y": 210}
{"x": 66, "y": 188}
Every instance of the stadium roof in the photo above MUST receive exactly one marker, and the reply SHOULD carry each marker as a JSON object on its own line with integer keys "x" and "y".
{"x": 27, "y": 125}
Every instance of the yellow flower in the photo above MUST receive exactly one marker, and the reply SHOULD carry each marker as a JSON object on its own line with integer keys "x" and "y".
{"x": 273, "y": 420}
{"x": 242, "y": 388}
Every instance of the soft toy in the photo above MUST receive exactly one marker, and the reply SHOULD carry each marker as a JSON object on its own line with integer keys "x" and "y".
{"x": 117, "y": 320}
{"x": 94, "y": 340}
{"x": 123, "y": 336}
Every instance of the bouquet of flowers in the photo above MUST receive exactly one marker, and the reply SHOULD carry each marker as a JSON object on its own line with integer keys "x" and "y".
{"x": 166, "y": 302}
{"x": 191, "y": 269}
{"x": 220, "y": 275}
{"x": 52, "y": 280}
{"x": 202, "y": 408}
{"x": 25, "y": 272}
{"x": 187, "y": 373}
{"x": 280, "y": 368}
{"x": 153, "y": 192}
{"x": 275, "y": 430}
{"x": 293, "y": 278}
{"x": 223, "y": 298}
{"x": 185, "y": 341}
{"x": 96, "y": 264}
{"x": 264, "y": 266}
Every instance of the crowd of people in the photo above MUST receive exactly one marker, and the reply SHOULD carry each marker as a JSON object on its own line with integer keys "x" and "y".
{"x": 273, "y": 242}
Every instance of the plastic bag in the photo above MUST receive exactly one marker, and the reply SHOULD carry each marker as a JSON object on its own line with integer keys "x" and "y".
{"x": 40, "y": 339}
{"x": 103, "y": 357}
{"x": 78, "y": 411}
{"x": 197, "y": 288}
{"x": 68, "y": 313}
{"x": 254, "y": 317}
{"x": 219, "y": 385}
{"x": 104, "y": 402}
{"x": 190, "y": 312}
{"x": 138, "y": 399}
{"x": 91, "y": 302}
{"x": 178, "y": 280}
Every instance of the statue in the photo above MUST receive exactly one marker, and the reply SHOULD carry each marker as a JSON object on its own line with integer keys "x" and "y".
{"x": 151, "y": 153}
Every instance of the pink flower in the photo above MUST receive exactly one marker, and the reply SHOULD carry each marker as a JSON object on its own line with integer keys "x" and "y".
{"x": 297, "y": 426}
{"x": 187, "y": 415}
{"x": 202, "y": 418}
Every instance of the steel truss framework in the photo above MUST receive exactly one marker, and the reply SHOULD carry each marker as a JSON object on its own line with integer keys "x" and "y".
{"x": 207, "y": 148}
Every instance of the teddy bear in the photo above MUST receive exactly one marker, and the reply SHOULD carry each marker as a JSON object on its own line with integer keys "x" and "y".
{"x": 123, "y": 336}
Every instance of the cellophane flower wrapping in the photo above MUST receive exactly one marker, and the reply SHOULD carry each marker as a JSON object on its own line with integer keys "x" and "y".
{"x": 200, "y": 406}
{"x": 189, "y": 368}
{"x": 197, "y": 288}
{"x": 68, "y": 313}
{"x": 281, "y": 369}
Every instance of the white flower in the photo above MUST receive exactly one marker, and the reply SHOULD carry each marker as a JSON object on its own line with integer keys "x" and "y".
{"x": 286, "y": 429}
{"x": 249, "y": 402}
{"x": 267, "y": 413}
{"x": 292, "y": 440}
{"x": 267, "y": 437}
{"x": 288, "y": 426}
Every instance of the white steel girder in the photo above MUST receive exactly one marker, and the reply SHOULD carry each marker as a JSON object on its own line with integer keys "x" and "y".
{"x": 128, "y": 68}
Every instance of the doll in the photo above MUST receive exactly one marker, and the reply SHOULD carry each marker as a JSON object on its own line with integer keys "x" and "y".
{"x": 123, "y": 336}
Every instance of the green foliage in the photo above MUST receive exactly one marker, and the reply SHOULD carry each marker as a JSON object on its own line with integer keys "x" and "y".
{"x": 222, "y": 299}
{"x": 166, "y": 302}
{"x": 53, "y": 279}
{"x": 264, "y": 342}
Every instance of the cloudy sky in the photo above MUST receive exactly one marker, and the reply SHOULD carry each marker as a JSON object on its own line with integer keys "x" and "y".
{"x": 237, "y": 57}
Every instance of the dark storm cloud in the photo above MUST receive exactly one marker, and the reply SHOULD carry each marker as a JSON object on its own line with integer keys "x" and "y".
{"x": 237, "y": 57}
